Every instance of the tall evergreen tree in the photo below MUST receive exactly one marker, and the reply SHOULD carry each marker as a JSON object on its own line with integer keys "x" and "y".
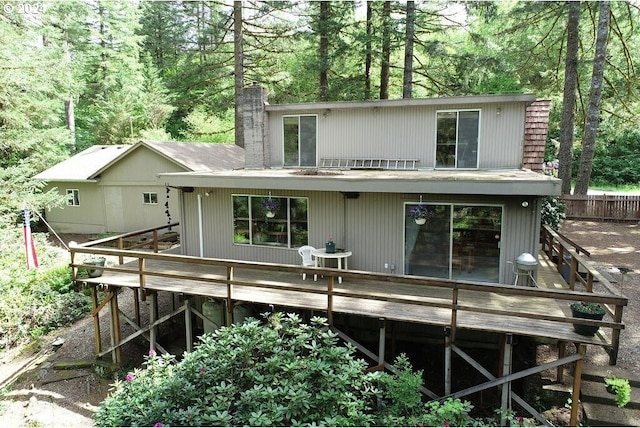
{"x": 593, "y": 112}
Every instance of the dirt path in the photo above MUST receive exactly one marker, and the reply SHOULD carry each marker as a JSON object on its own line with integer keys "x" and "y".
{"x": 47, "y": 397}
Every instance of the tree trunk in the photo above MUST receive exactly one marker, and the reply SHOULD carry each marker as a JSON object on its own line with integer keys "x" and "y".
{"x": 595, "y": 96}
{"x": 368, "y": 53}
{"x": 407, "y": 84}
{"x": 386, "y": 50}
{"x": 238, "y": 68}
{"x": 323, "y": 52}
{"x": 569, "y": 99}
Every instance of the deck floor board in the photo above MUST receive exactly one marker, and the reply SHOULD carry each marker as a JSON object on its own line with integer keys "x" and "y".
{"x": 268, "y": 288}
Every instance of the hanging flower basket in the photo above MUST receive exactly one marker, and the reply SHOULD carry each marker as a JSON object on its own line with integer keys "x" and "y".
{"x": 421, "y": 213}
{"x": 270, "y": 207}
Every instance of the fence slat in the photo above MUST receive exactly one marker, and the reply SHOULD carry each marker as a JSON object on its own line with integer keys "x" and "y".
{"x": 602, "y": 207}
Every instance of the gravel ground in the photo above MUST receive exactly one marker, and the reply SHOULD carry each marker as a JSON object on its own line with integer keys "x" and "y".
{"x": 45, "y": 397}
{"x": 613, "y": 246}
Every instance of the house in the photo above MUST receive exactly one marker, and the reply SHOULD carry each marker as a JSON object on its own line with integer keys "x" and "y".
{"x": 351, "y": 172}
{"x": 116, "y": 188}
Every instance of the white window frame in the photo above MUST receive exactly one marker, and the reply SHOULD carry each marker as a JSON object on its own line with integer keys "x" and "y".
{"x": 457, "y": 159}
{"x": 147, "y": 198}
{"x": 255, "y": 219}
{"x": 74, "y": 200}
{"x": 315, "y": 154}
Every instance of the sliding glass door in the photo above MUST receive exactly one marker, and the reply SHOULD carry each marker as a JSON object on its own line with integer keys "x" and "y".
{"x": 457, "y": 242}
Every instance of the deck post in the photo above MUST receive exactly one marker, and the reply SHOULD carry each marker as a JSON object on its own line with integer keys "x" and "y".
{"x": 96, "y": 320}
{"x": 381, "y": 343}
{"x": 153, "y": 317}
{"x": 116, "y": 354}
{"x": 506, "y": 370}
{"x": 229, "y": 301}
{"x": 120, "y": 247}
{"x": 447, "y": 361}
{"x": 562, "y": 350}
{"x": 141, "y": 276}
{"x": 136, "y": 304}
{"x": 330, "y": 300}
{"x": 615, "y": 336}
{"x": 577, "y": 380}
{"x": 188, "y": 332}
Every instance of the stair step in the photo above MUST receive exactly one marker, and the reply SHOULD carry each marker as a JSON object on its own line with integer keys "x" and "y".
{"x": 596, "y": 392}
{"x": 597, "y": 373}
{"x": 605, "y": 415}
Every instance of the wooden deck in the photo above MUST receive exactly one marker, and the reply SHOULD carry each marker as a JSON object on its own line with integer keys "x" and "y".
{"x": 537, "y": 312}
{"x": 541, "y": 312}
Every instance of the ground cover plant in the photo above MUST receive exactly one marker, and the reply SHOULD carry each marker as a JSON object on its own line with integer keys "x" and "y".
{"x": 34, "y": 302}
{"x": 279, "y": 372}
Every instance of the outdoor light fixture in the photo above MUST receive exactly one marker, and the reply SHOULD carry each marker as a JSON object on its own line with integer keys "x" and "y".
{"x": 525, "y": 204}
{"x": 498, "y": 111}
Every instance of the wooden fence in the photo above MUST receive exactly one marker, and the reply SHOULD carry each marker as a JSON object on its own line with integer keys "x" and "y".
{"x": 602, "y": 207}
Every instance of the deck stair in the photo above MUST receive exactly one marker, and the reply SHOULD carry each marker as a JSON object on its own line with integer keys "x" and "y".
{"x": 599, "y": 406}
{"x": 368, "y": 163}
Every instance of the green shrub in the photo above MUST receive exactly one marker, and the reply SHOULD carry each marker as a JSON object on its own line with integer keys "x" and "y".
{"x": 621, "y": 388}
{"x": 553, "y": 212}
{"x": 37, "y": 301}
{"x": 278, "y": 373}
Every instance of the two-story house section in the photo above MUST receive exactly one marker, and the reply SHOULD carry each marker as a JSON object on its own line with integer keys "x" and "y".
{"x": 357, "y": 172}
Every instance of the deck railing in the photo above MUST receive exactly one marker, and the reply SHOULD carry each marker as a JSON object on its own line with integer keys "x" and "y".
{"x": 453, "y": 300}
{"x": 577, "y": 271}
{"x": 143, "y": 238}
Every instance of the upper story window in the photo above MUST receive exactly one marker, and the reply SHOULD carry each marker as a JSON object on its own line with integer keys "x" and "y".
{"x": 73, "y": 197}
{"x": 300, "y": 137}
{"x": 149, "y": 198}
{"x": 270, "y": 221}
{"x": 457, "y": 139}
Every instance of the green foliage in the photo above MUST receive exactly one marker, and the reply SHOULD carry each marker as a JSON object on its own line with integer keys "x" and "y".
{"x": 37, "y": 301}
{"x": 553, "y": 212}
{"x": 278, "y": 373}
{"x": 588, "y": 308}
{"x": 621, "y": 388}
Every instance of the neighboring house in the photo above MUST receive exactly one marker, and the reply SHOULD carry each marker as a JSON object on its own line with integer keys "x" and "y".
{"x": 116, "y": 188}
{"x": 353, "y": 171}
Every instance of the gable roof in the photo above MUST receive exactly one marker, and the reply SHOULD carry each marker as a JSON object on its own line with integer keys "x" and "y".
{"x": 90, "y": 163}
{"x": 199, "y": 156}
{"x": 86, "y": 165}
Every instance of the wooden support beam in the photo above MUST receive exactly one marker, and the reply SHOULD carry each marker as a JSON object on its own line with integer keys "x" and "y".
{"x": 507, "y": 353}
{"x": 447, "y": 360}
{"x": 136, "y": 304}
{"x": 577, "y": 381}
{"x": 381, "y": 341}
{"x": 562, "y": 350}
{"x": 229, "y": 301}
{"x": 490, "y": 376}
{"x": 153, "y": 317}
{"x": 330, "y": 300}
{"x": 116, "y": 354}
{"x": 188, "y": 328}
{"x": 96, "y": 319}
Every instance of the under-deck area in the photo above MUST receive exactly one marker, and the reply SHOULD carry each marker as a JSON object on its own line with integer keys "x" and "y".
{"x": 539, "y": 312}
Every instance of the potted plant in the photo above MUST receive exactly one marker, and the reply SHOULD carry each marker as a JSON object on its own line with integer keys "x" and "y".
{"x": 95, "y": 261}
{"x": 330, "y": 246}
{"x": 270, "y": 207}
{"x": 620, "y": 387}
{"x": 592, "y": 311}
{"x": 421, "y": 213}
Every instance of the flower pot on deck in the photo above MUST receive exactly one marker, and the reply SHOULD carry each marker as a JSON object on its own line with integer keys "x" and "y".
{"x": 589, "y": 311}
{"x": 98, "y": 261}
{"x": 330, "y": 247}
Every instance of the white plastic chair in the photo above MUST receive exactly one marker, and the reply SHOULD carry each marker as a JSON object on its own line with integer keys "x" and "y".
{"x": 307, "y": 260}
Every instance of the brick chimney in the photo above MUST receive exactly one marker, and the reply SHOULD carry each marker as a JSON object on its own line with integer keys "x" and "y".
{"x": 535, "y": 134}
{"x": 254, "y": 122}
